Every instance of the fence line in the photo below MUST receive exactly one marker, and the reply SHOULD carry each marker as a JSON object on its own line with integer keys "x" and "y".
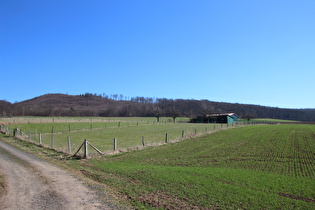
{"x": 115, "y": 124}
{"x": 18, "y": 133}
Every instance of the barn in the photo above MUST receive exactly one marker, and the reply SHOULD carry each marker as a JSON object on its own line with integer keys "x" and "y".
{"x": 216, "y": 118}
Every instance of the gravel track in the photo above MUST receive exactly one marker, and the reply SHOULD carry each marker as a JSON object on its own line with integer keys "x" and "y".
{"x": 31, "y": 183}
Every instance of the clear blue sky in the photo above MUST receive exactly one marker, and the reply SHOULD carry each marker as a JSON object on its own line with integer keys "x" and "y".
{"x": 241, "y": 51}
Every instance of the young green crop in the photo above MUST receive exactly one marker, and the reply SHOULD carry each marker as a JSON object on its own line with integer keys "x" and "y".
{"x": 260, "y": 167}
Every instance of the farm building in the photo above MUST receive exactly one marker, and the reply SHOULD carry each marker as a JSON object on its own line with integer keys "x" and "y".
{"x": 216, "y": 118}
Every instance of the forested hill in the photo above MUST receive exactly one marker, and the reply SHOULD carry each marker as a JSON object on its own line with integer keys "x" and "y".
{"x": 119, "y": 106}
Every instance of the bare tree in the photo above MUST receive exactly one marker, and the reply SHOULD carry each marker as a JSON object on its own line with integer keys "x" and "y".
{"x": 157, "y": 112}
{"x": 249, "y": 115}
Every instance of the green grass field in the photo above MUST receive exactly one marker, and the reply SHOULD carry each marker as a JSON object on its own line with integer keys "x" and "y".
{"x": 272, "y": 120}
{"x": 247, "y": 167}
{"x": 101, "y": 132}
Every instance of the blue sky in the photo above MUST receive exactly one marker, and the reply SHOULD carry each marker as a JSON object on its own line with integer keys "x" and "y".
{"x": 241, "y": 51}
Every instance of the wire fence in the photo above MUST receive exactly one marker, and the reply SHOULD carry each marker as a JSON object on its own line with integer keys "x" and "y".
{"x": 113, "y": 137}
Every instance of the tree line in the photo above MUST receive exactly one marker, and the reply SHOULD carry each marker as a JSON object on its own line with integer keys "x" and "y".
{"x": 117, "y": 105}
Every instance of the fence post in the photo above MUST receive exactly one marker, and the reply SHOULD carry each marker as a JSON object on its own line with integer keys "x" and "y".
{"x": 86, "y": 152}
{"x": 183, "y": 134}
{"x": 15, "y": 132}
{"x": 52, "y": 141}
{"x": 29, "y": 135}
{"x": 166, "y": 137}
{"x": 195, "y": 131}
{"x": 40, "y": 138}
{"x": 143, "y": 141}
{"x": 115, "y": 144}
{"x": 69, "y": 145}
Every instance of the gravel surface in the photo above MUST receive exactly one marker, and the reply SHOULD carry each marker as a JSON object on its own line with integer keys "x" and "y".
{"x": 32, "y": 183}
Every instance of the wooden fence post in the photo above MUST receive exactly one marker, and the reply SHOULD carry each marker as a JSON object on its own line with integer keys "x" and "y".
{"x": 15, "y": 132}
{"x": 183, "y": 134}
{"x": 115, "y": 144}
{"x": 69, "y": 145}
{"x": 86, "y": 152}
{"x": 143, "y": 141}
{"x": 52, "y": 141}
{"x": 166, "y": 137}
{"x": 40, "y": 139}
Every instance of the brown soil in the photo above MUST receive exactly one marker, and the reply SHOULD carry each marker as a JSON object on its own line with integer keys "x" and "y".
{"x": 296, "y": 197}
{"x": 31, "y": 183}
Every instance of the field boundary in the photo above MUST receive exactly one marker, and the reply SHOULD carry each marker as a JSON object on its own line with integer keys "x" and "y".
{"x": 19, "y": 134}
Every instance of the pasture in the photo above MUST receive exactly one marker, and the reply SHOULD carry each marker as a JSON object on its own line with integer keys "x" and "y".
{"x": 130, "y": 133}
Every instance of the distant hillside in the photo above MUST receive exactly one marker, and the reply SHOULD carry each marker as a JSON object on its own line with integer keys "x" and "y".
{"x": 97, "y": 105}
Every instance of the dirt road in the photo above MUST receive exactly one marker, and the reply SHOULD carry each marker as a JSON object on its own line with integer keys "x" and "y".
{"x": 32, "y": 183}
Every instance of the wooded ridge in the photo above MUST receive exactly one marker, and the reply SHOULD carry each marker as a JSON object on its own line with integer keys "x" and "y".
{"x": 118, "y": 106}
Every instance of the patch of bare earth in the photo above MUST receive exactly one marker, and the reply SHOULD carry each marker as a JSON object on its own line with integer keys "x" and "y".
{"x": 296, "y": 197}
{"x": 31, "y": 183}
